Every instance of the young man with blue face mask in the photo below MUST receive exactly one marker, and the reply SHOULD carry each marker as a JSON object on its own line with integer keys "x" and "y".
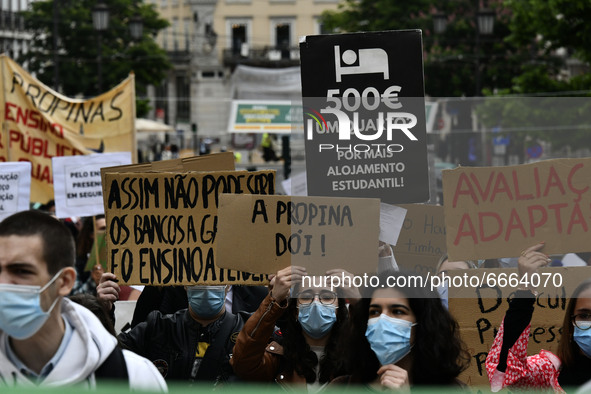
{"x": 44, "y": 338}
{"x": 194, "y": 344}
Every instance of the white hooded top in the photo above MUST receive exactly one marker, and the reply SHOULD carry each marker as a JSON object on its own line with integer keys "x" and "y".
{"x": 88, "y": 348}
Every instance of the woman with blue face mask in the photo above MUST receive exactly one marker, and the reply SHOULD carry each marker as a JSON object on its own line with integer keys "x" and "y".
{"x": 570, "y": 367}
{"x": 402, "y": 337}
{"x": 304, "y": 351}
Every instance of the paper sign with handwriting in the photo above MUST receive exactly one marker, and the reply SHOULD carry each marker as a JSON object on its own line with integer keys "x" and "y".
{"x": 493, "y": 212}
{"x": 263, "y": 234}
{"x": 77, "y": 182}
{"x": 15, "y": 188}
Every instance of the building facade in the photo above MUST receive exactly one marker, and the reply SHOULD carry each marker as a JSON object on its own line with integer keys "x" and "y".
{"x": 14, "y": 40}
{"x": 207, "y": 39}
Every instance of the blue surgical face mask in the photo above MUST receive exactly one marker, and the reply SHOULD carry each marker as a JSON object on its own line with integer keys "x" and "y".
{"x": 317, "y": 319}
{"x": 21, "y": 314}
{"x": 442, "y": 290}
{"x": 389, "y": 338}
{"x": 206, "y": 301}
{"x": 583, "y": 338}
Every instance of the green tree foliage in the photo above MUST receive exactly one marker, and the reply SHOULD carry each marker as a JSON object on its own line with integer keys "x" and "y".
{"x": 78, "y": 47}
{"x": 554, "y": 31}
{"x": 452, "y": 57}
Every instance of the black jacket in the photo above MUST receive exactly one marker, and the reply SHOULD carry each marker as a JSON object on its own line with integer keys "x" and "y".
{"x": 170, "y": 342}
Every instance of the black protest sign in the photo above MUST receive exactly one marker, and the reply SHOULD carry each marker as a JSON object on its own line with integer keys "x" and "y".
{"x": 162, "y": 227}
{"x": 364, "y": 116}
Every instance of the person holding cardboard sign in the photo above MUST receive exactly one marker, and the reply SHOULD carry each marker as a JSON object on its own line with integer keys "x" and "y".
{"x": 307, "y": 354}
{"x": 507, "y": 363}
{"x": 193, "y": 344}
{"x": 402, "y": 337}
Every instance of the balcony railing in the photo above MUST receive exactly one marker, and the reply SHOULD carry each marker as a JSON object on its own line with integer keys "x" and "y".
{"x": 261, "y": 56}
{"x": 11, "y": 21}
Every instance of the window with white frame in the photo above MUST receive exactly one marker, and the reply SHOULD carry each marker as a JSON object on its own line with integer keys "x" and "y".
{"x": 238, "y": 31}
{"x": 282, "y": 35}
{"x": 187, "y": 33}
{"x": 175, "y": 33}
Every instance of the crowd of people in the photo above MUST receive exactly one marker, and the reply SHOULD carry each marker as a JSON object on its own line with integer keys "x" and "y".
{"x": 57, "y": 326}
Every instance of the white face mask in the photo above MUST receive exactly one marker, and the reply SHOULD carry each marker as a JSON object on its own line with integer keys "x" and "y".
{"x": 21, "y": 315}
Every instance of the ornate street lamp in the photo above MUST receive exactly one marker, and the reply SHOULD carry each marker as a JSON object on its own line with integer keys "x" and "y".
{"x": 100, "y": 21}
{"x": 136, "y": 26}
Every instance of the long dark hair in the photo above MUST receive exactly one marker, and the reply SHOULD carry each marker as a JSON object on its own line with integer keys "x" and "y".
{"x": 568, "y": 348}
{"x": 438, "y": 354}
{"x": 299, "y": 358}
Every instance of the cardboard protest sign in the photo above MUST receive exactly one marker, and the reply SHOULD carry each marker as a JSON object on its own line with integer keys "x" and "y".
{"x": 422, "y": 239}
{"x": 77, "y": 182}
{"x": 215, "y": 162}
{"x": 480, "y": 310}
{"x": 364, "y": 115}
{"x": 162, "y": 227}
{"x": 40, "y": 123}
{"x": 493, "y": 212}
{"x": 15, "y": 188}
{"x": 263, "y": 234}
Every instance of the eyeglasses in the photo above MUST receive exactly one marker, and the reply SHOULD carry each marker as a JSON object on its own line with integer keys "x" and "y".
{"x": 582, "y": 320}
{"x": 324, "y": 296}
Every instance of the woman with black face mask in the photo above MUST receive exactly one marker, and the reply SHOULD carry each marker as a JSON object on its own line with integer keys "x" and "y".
{"x": 507, "y": 362}
{"x": 401, "y": 337}
{"x": 304, "y": 351}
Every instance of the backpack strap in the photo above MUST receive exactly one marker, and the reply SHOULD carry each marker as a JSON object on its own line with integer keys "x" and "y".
{"x": 113, "y": 368}
{"x": 212, "y": 366}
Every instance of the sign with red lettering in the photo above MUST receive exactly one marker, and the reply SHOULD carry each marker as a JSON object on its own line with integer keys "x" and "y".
{"x": 493, "y": 212}
{"x": 39, "y": 124}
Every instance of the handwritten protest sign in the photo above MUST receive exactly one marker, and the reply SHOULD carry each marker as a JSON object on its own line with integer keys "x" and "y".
{"x": 263, "y": 234}
{"x": 422, "y": 238}
{"x": 162, "y": 227}
{"x": 15, "y": 188}
{"x": 39, "y": 123}
{"x": 480, "y": 311}
{"x": 364, "y": 115}
{"x": 493, "y": 212}
{"x": 77, "y": 182}
{"x": 223, "y": 161}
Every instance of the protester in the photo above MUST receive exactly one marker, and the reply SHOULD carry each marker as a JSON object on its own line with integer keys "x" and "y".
{"x": 88, "y": 280}
{"x": 307, "y": 353}
{"x": 444, "y": 265}
{"x": 45, "y": 339}
{"x": 401, "y": 337}
{"x": 84, "y": 243}
{"x": 89, "y": 286}
{"x": 169, "y": 299}
{"x": 507, "y": 363}
{"x": 442, "y": 268}
{"x": 193, "y": 344}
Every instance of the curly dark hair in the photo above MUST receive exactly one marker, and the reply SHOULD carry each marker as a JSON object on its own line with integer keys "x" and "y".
{"x": 300, "y": 358}
{"x": 438, "y": 354}
{"x": 567, "y": 347}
